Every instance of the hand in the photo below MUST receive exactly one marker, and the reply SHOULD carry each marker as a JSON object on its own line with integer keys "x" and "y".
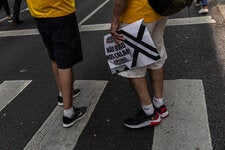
{"x": 116, "y": 37}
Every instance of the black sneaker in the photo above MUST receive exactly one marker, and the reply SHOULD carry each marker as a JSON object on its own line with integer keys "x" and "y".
{"x": 76, "y": 92}
{"x": 79, "y": 113}
{"x": 142, "y": 120}
{"x": 17, "y": 22}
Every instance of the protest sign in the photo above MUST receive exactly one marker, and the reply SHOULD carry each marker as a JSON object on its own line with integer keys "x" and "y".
{"x": 137, "y": 50}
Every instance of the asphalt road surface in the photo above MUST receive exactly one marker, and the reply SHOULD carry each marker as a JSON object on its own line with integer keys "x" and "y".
{"x": 194, "y": 87}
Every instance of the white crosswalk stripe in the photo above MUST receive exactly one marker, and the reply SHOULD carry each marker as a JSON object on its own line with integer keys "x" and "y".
{"x": 10, "y": 89}
{"x": 187, "y": 126}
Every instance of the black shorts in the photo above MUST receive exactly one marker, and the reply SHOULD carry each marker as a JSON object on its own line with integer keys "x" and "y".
{"x": 62, "y": 39}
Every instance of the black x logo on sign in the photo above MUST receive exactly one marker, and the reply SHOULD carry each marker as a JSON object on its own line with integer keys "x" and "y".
{"x": 137, "y": 49}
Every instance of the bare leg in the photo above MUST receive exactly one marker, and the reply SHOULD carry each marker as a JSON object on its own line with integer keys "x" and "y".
{"x": 56, "y": 74}
{"x": 157, "y": 82}
{"x": 140, "y": 86}
{"x": 66, "y": 86}
{"x": 64, "y": 81}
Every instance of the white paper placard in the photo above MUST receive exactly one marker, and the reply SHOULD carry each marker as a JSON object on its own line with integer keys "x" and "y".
{"x": 137, "y": 50}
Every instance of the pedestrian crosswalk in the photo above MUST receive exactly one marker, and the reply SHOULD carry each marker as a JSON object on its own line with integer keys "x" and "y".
{"x": 186, "y": 127}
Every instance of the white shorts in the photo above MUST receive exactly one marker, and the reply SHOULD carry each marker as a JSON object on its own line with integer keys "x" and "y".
{"x": 156, "y": 30}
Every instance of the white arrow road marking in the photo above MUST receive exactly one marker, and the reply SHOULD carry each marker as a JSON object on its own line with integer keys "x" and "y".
{"x": 187, "y": 125}
{"x": 190, "y": 21}
{"x": 170, "y": 22}
{"x": 10, "y": 89}
{"x": 92, "y": 13}
{"x": 19, "y": 32}
{"x": 52, "y": 135}
{"x": 106, "y": 26}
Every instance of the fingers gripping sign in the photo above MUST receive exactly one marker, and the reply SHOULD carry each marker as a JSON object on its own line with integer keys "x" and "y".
{"x": 113, "y": 31}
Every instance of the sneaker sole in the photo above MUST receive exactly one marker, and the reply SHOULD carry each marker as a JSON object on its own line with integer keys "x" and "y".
{"x": 60, "y": 104}
{"x": 148, "y": 123}
{"x": 72, "y": 123}
{"x": 74, "y": 96}
{"x": 203, "y": 12}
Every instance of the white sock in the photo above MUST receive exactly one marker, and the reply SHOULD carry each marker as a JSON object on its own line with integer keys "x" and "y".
{"x": 68, "y": 112}
{"x": 148, "y": 109}
{"x": 60, "y": 93}
{"x": 158, "y": 102}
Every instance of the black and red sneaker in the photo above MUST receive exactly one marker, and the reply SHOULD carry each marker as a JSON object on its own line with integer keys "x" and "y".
{"x": 163, "y": 112}
{"x": 76, "y": 92}
{"x": 141, "y": 119}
